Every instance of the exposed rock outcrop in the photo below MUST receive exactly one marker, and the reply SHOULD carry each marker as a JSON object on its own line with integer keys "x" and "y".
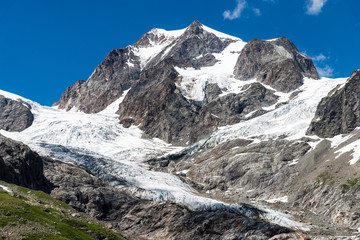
{"x": 15, "y": 116}
{"x": 85, "y": 192}
{"x": 340, "y": 111}
{"x": 156, "y": 106}
{"x": 240, "y": 165}
{"x": 277, "y": 63}
{"x": 21, "y": 166}
{"x": 106, "y": 84}
{"x": 180, "y": 223}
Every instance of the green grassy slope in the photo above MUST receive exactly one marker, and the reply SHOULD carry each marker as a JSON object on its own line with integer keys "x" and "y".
{"x": 29, "y": 214}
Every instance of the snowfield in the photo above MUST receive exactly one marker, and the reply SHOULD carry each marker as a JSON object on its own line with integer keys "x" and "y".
{"x": 100, "y": 143}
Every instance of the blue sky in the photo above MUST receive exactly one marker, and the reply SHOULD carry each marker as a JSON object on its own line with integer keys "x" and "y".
{"x": 45, "y": 46}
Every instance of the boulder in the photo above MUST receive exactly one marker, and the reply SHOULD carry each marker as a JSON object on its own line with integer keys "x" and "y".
{"x": 21, "y": 166}
{"x": 15, "y": 116}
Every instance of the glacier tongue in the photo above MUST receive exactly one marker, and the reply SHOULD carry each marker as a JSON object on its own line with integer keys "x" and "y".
{"x": 99, "y": 143}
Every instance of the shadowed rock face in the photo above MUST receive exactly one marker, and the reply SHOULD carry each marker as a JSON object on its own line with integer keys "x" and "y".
{"x": 339, "y": 112}
{"x": 106, "y": 84}
{"x": 157, "y": 106}
{"x": 277, "y": 63}
{"x": 20, "y": 165}
{"x": 14, "y": 115}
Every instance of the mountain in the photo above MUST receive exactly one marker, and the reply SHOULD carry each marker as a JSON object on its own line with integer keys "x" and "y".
{"x": 195, "y": 134}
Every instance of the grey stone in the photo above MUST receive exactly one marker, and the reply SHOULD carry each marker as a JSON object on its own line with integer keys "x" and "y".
{"x": 21, "y": 166}
{"x": 277, "y": 63}
{"x": 340, "y": 111}
{"x": 15, "y": 116}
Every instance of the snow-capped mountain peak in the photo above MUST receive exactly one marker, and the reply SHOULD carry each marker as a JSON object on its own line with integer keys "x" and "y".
{"x": 197, "y": 27}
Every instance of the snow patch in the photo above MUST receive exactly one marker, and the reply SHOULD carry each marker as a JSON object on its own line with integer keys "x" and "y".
{"x": 146, "y": 53}
{"x": 113, "y": 107}
{"x": 353, "y": 147}
{"x": 282, "y": 51}
{"x": 219, "y": 34}
{"x": 12, "y": 96}
{"x": 6, "y": 189}
{"x": 283, "y": 219}
{"x": 194, "y": 81}
{"x": 283, "y": 199}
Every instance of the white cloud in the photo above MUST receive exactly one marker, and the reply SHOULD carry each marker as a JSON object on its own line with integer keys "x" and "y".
{"x": 314, "y": 6}
{"x": 236, "y": 13}
{"x": 326, "y": 71}
{"x": 319, "y": 58}
{"x": 323, "y": 69}
{"x": 256, "y": 11}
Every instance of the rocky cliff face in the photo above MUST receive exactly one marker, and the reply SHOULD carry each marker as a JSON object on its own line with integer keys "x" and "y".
{"x": 155, "y": 101}
{"x": 340, "y": 111}
{"x": 106, "y": 84}
{"x": 21, "y": 166}
{"x": 277, "y": 63}
{"x": 15, "y": 116}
